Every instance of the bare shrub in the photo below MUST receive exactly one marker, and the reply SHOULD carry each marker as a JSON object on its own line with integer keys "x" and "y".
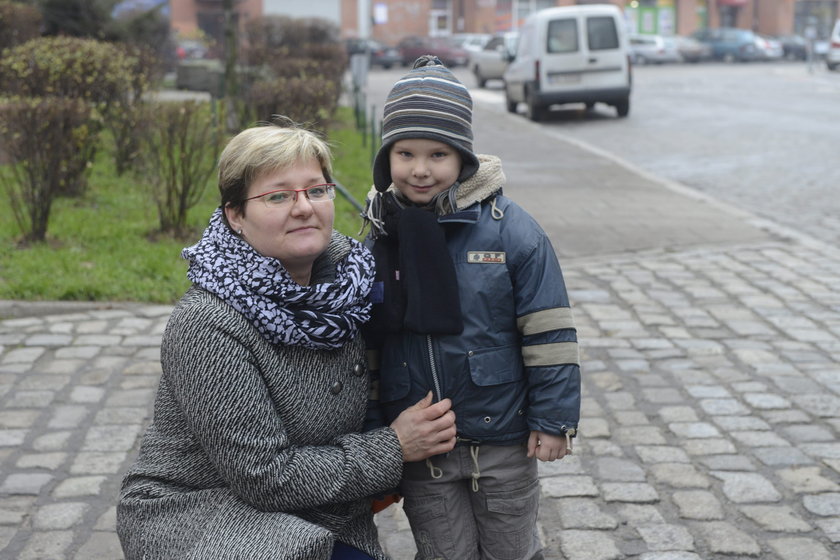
{"x": 283, "y": 31}
{"x": 123, "y": 114}
{"x": 331, "y": 58}
{"x": 301, "y": 65}
{"x": 50, "y": 142}
{"x": 180, "y": 141}
{"x": 305, "y": 100}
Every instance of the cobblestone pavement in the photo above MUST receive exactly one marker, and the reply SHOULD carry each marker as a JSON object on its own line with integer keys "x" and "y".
{"x": 76, "y": 392}
{"x": 709, "y": 429}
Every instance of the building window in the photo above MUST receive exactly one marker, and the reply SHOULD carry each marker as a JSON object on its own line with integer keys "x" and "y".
{"x": 440, "y": 18}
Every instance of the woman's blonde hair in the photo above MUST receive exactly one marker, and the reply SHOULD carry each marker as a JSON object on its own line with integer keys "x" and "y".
{"x": 263, "y": 149}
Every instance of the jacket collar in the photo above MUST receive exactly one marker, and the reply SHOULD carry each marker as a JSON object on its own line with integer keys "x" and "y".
{"x": 466, "y": 216}
{"x": 485, "y": 183}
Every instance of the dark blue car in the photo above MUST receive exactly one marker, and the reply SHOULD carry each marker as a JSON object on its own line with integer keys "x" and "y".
{"x": 730, "y": 44}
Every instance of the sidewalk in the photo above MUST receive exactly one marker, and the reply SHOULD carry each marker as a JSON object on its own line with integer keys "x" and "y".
{"x": 710, "y": 342}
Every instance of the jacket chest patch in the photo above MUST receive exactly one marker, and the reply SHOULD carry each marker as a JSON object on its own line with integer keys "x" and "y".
{"x": 482, "y": 257}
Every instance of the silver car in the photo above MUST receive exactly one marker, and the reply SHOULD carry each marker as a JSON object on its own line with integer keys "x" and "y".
{"x": 654, "y": 49}
{"x": 490, "y": 62}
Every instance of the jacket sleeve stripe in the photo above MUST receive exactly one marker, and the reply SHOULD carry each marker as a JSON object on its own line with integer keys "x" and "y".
{"x": 546, "y": 320}
{"x": 551, "y": 354}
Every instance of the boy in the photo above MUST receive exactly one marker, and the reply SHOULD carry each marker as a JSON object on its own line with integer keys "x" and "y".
{"x": 470, "y": 304}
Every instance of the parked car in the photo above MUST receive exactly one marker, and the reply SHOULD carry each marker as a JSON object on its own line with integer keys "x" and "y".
{"x": 491, "y": 62}
{"x": 832, "y": 57}
{"x": 692, "y": 50}
{"x": 380, "y": 55}
{"x": 654, "y": 49}
{"x": 413, "y": 47}
{"x": 769, "y": 48}
{"x": 472, "y": 42}
{"x": 730, "y": 44}
{"x": 570, "y": 54}
{"x": 794, "y": 47}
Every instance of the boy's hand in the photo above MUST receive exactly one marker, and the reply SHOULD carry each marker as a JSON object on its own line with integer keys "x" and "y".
{"x": 425, "y": 429}
{"x": 547, "y": 447}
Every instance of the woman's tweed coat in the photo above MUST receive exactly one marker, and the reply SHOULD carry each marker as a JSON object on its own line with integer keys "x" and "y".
{"x": 254, "y": 451}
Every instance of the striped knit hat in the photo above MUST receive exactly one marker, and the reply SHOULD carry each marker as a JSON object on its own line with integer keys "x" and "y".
{"x": 428, "y": 102}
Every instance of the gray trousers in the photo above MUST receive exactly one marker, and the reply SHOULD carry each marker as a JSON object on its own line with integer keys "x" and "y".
{"x": 474, "y": 503}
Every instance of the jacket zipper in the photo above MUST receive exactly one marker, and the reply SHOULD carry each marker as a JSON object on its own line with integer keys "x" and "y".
{"x": 433, "y": 366}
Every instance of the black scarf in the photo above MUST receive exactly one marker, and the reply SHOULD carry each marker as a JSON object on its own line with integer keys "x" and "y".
{"x": 419, "y": 286}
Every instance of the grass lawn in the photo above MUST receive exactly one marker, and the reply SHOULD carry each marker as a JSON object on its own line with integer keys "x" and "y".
{"x": 103, "y": 247}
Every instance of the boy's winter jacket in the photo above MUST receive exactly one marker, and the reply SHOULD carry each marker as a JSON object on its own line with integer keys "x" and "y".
{"x": 515, "y": 366}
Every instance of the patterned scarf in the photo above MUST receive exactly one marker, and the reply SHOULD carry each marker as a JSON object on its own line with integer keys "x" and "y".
{"x": 319, "y": 316}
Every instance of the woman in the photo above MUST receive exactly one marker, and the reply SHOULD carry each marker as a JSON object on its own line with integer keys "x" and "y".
{"x": 255, "y": 450}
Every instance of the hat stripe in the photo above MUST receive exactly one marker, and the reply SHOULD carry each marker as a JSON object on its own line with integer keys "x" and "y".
{"x": 427, "y": 129}
{"x": 397, "y": 118}
{"x": 447, "y": 96}
{"x": 445, "y": 79}
{"x": 416, "y": 102}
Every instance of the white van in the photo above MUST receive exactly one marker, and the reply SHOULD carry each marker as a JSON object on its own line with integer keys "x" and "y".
{"x": 570, "y": 54}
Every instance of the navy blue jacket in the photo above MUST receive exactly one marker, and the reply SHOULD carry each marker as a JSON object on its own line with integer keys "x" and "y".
{"x": 515, "y": 367}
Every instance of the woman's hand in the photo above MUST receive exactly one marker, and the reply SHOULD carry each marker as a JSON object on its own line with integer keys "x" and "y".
{"x": 425, "y": 429}
{"x": 547, "y": 447}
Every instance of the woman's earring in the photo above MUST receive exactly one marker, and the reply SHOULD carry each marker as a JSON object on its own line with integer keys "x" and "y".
{"x": 239, "y": 233}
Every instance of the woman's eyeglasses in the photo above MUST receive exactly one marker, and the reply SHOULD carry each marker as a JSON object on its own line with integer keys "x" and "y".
{"x": 286, "y": 197}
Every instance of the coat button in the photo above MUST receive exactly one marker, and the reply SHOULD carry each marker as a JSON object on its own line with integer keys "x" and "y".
{"x": 470, "y": 353}
{"x": 487, "y": 419}
{"x": 358, "y": 370}
{"x": 336, "y": 388}
{"x": 520, "y": 412}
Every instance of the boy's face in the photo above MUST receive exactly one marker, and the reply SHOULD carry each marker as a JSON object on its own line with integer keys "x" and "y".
{"x": 422, "y": 168}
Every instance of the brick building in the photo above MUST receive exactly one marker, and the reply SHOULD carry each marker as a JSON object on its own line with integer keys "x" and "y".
{"x": 391, "y": 20}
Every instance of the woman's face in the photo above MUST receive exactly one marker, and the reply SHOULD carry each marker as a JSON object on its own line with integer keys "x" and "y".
{"x": 295, "y": 233}
{"x": 422, "y": 168}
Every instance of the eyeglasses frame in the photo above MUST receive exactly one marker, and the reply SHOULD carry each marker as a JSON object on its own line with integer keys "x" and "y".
{"x": 296, "y": 191}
